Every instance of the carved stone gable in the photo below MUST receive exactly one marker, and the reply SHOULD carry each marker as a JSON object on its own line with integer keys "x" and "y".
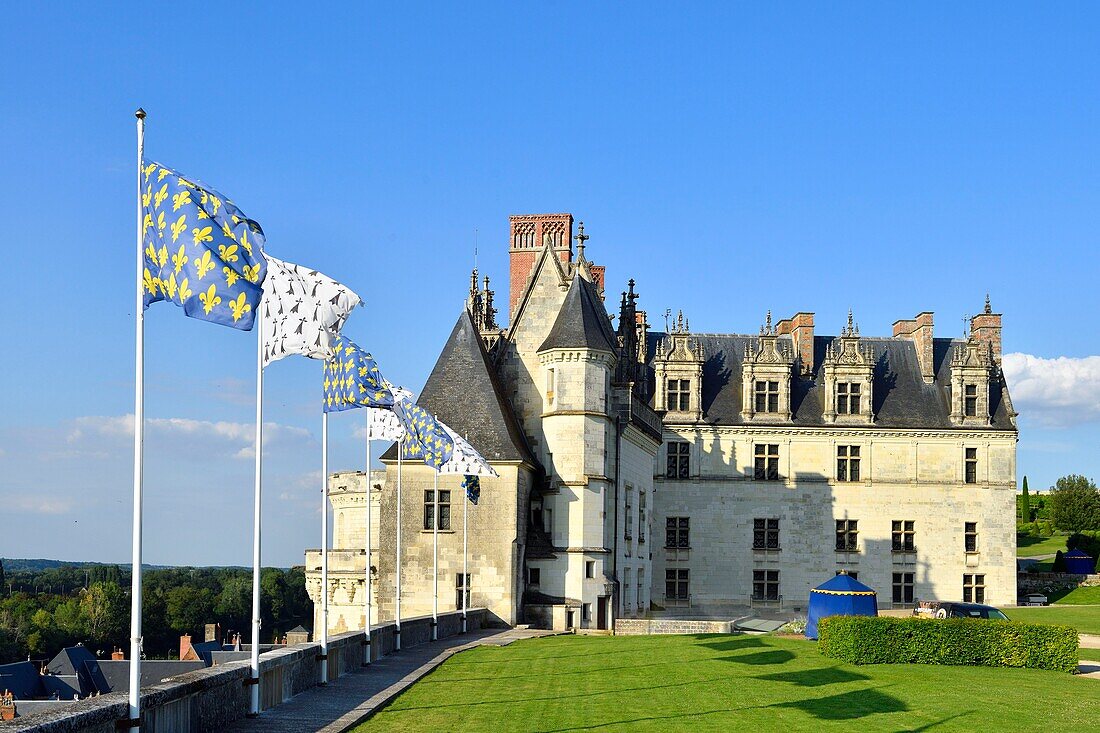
{"x": 766, "y": 372}
{"x": 849, "y": 378}
{"x": 678, "y": 371}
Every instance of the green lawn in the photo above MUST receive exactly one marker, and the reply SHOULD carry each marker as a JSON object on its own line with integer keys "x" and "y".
{"x": 725, "y": 683}
{"x": 1030, "y": 545}
{"x": 1086, "y": 619}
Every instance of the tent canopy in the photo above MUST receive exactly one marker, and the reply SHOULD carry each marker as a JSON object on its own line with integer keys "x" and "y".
{"x": 1079, "y": 562}
{"x": 841, "y": 595}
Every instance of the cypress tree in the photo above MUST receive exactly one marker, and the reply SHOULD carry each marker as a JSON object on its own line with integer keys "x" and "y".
{"x": 1025, "y": 504}
{"x": 1, "y": 572}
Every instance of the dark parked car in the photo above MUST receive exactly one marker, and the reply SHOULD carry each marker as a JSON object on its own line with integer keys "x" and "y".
{"x": 952, "y": 609}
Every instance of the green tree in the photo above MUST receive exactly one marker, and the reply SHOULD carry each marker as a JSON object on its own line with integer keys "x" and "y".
{"x": 3, "y": 578}
{"x": 1075, "y": 504}
{"x": 234, "y": 604}
{"x": 188, "y": 608}
{"x": 105, "y": 612}
{"x": 1025, "y": 504}
{"x": 69, "y": 620}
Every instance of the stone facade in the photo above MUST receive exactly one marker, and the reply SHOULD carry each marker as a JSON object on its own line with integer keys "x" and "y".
{"x": 644, "y": 471}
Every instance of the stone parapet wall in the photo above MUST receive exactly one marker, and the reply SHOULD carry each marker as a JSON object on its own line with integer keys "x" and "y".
{"x": 210, "y": 699}
{"x": 1044, "y": 582}
{"x": 643, "y": 627}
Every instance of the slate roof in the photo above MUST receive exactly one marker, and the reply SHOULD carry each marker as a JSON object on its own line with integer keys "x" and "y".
{"x": 582, "y": 322}
{"x": 78, "y": 662}
{"x": 22, "y": 679}
{"x": 901, "y": 397}
{"x": 463, "y": 391}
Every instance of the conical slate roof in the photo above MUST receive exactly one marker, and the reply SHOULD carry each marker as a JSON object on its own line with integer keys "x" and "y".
{"x": 463, "y": 392}
{"x": 582, "y": 322}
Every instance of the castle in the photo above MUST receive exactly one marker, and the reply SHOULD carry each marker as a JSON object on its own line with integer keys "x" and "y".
{"x": 646, "y": 472}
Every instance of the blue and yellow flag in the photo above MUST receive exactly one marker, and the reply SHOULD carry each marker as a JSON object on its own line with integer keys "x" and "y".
{"x": 472, "y": 484}
{"x": 201, "y": 251}
{"x": 425, "y": 438}
{"x": 352, "y": 379}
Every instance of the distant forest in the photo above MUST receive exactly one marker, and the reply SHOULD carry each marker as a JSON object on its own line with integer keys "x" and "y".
{"x": 46, "y": 605}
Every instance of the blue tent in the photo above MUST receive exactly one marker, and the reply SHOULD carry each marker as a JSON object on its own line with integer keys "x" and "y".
{"x": 1080, "y": 562}
{"x": 842, "y": 595}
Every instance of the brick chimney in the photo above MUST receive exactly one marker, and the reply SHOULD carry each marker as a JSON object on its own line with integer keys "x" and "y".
{"x": 212, "y": 632}
{"x": 801, "y": 329}
{"x": 986, "y": 326}
{"x": 118, "y": 655}
{"x": 919, "y": 331}
{"x": 528, "y": 233}
{"x": 185, "y": 645}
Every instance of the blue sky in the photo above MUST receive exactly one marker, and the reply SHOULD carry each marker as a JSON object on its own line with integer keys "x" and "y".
{"x": 731, "y": 158}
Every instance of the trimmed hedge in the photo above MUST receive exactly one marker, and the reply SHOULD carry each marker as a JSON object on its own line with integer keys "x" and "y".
{"x": 955, "y": 641}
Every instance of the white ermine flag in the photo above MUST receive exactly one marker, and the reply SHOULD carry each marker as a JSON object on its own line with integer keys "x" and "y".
{"x": 303, "y": 311}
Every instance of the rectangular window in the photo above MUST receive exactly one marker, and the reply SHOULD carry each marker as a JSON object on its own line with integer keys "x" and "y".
{"x": 767, "y": 396}
{"x": 551, "y": 385}
{"x": 765, "y": 534}
{"x": 534, "y": 575}
{"x": 628, "y": 524}
{"x": 678, "y": 453}
{"x": 901, "y": 535}
{"x": 429, "y": 509}
{"x": 765, "y": 585}
{"x": 847, "y": 463}
{"x": 970, "y": 536}
{"x": 677, "y": 533}
{"x": 970, "y": 400}
{"x": 971, "y": 465}
{"x": 640, "y": 584}
{"x": 676, "y": 583}
{"x": 766, "y": 462}
{"x": 847, "y": 398}
{"x": 973, "y": 589}
{"x": 589, "y": 568}
{"x": 462, "y": 583}
{"x": 846, "y": 535}
{"x": 641, "y": 517}
{"x": 903, "y": 588}
{"x": 444, "y": 509}
{"x": 679, "y": 393}
{"x": 586, "y": 611}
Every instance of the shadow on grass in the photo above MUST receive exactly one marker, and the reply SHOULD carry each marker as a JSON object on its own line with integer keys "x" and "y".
{"x": 1028, "y": 540}
{"x": 734, "y": 643}
{"x": 569, "y": 672}
{"x": 815, "y": 677}
{"x": 848, "y": 705}
{"x": 774, "y": 656}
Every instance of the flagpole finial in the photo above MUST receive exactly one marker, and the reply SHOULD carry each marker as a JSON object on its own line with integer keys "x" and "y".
{"x": 140, "y": 113}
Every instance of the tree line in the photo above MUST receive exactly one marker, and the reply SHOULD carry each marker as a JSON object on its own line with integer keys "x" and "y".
{"x": 43, "y": 611}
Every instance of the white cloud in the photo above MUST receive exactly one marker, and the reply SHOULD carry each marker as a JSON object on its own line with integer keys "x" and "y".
{"x": 1057, "y": 392}
{"x": 238, "y": 436}
{"x": 37, "y": 504}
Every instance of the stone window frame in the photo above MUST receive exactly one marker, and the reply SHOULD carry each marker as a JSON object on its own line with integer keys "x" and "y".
{"x": 766, "y": 396}
{"x": 679, "y": 581}
{"x": 551, "y": 385}
{"x": 641, "y": 516}
{"x": 848, "y": 460}
{"x": 900, "y": 531}
{"x": 681, "y": 468}
{"x": 459, "y": 587}
{"x": 628, "y": 514}
{"x": 589, "y": 569}
{"x": 847, "y": 535}
{"x": 970, "y": 465}
{"x": 766, "y": 580}
{"x": 970, "y": 400}
{"x": 849, "y": 395}
{"x": 765, "y": 533}
{"x": 902, "y": 587}
{"x": 970, "y": 537}
{"x": 974, "y": 588}
{"x": 534, "y": 576}
{"x": 437, "y": 506}
{"x": 765, "y": 462}
{"x": 679, "y": 529}
{"x": 678, "y": 399}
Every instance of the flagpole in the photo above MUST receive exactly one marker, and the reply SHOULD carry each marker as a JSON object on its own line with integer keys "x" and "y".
{"x": 465, "y": 572}
{"x": 324, "y": 548}
{"x": 397, "y": 567}
{"x": 435, "y": 560}
{"x": 254, "y": 681}
{"x": 366, "y": 612}
{"x": 139, "y": 436}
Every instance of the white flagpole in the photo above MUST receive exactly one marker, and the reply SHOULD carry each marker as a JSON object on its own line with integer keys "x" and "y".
{"x": 254, "y": 682}
{"x": 397, "y": 567}
{"x": 139, "y": 436}
{"x": 324, "y": 548}
{"x": 465, "y": 572}
{"x": 435, "y": 560}
{"x": 366, "y": 542}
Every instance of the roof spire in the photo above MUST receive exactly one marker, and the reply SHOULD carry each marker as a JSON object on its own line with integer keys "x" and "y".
{"x": 988, "y": 307}
{"x": 581, "y": 238}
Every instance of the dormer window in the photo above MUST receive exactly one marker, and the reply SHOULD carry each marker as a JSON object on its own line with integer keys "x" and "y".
{"x": 970, "y": 401}
{"x": 679, "y": 395}
{"x": 847, "y": 398}
{"x": 767, "y": 396}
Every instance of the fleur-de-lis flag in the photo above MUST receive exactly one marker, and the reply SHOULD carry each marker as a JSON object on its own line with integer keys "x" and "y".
{"x": 352, "y": 379}
{"x": 472, "y": 484}
{"x": 425, "y": 438}
{"x": 303, "y": 311}
{"x": 201, "y": 251}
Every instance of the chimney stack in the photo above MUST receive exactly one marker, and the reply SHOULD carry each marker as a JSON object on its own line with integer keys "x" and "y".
{"x": 528, "y": 234}
{"x": 919, "y": 331}
{"x": 213, "y": 632}
{"x": 118, "y": 655}
{"x": 185, "y": 645}
{"x": 986, "y": 326}
{"x": 801, "y": 329}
